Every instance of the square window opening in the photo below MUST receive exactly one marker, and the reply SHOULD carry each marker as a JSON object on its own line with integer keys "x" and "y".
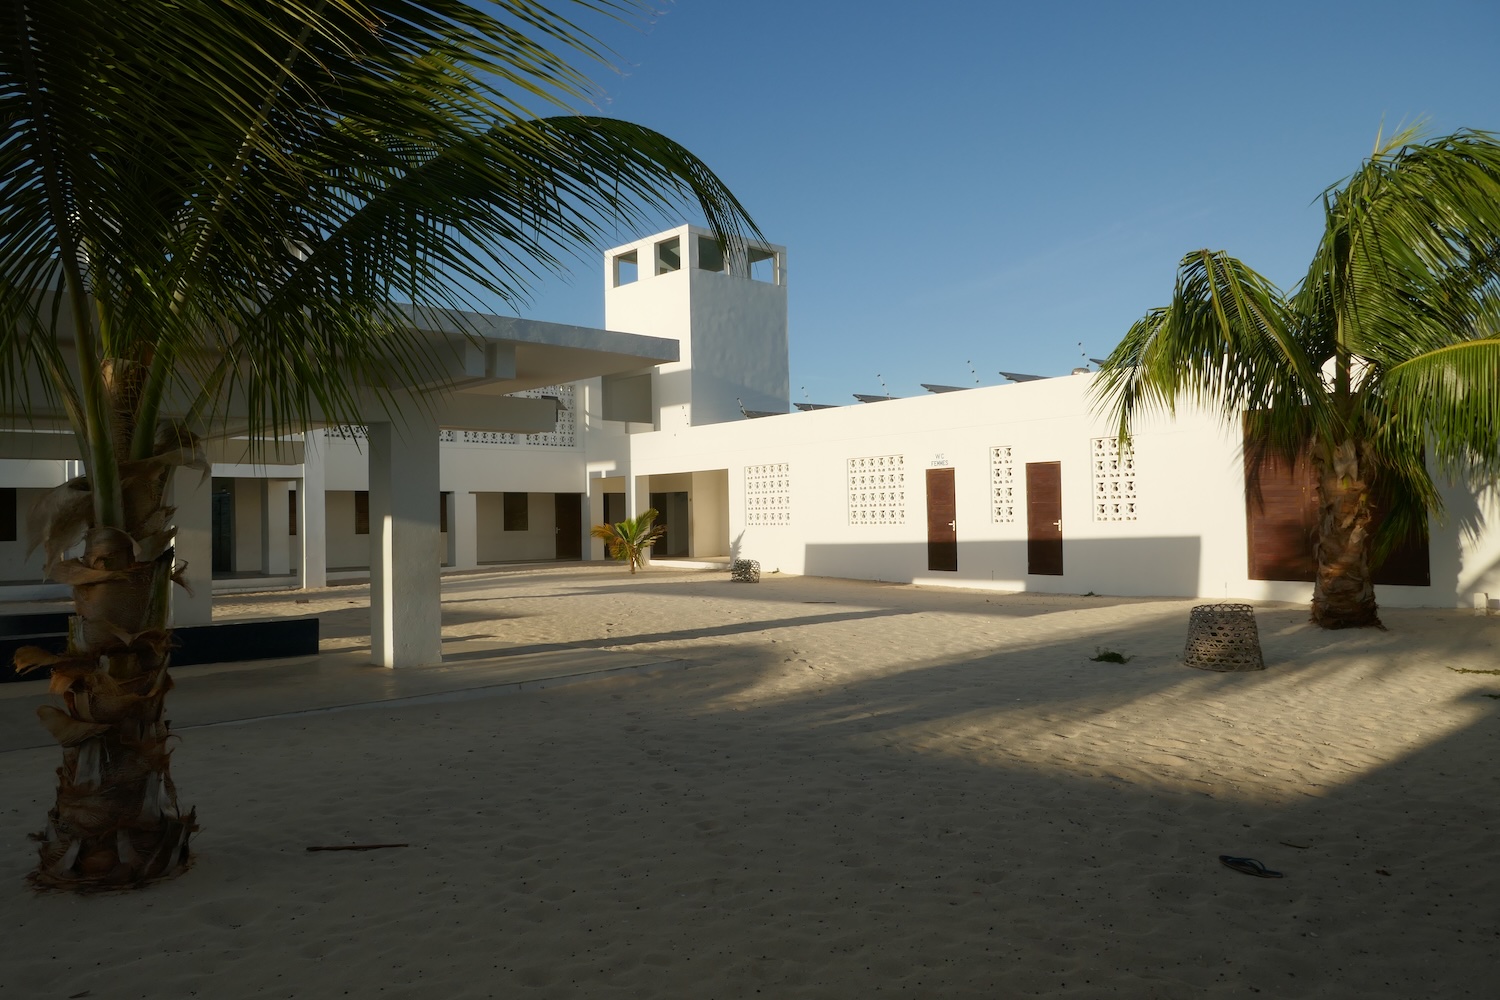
{"x": 765, "y": 265}
{"x": 710, "y": 254}
{"x": 669, "y": 255}
{"x": 626, "y": 269}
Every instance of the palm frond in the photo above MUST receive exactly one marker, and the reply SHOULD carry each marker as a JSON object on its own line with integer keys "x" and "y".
{"x": 1449, "y": 400}
{"x": 1227, "y": 342}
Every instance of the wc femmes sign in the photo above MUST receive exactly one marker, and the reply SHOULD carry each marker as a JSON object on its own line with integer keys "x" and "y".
{"x": 939, "y": 461}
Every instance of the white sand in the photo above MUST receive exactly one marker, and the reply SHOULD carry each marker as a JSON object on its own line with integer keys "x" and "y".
{"x": 904, "y": 792}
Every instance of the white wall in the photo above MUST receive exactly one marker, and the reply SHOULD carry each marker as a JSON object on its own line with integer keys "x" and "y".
{"x": 247, "y": 525}
{"x": 538, "y": 541}
{"x": 709, "y": 504}
{"x": 1188, "y": 539}
{"x": 15, "y": 565}
{"x": 346, "y": 550}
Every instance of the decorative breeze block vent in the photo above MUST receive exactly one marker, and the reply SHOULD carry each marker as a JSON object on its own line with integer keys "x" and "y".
{"x": 1223, "y": 637}
{"x": 768, "y": 494}
{"x": 744, "y": 571}
{"x": 1114, "y": 480}
{"x": 1002, "y": 485}
{"x": 877, "y": 490}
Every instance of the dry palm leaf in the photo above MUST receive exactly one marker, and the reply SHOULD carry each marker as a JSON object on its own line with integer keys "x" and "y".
{"x": 65, "y": 729}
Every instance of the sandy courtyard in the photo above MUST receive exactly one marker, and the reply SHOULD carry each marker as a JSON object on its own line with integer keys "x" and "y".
{"x": 854, "y": 789}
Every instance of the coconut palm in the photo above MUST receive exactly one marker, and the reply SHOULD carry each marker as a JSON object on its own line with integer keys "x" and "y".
{"x": 628, "y": 540}
{"x": 1384, "y": 357}
{"x": 209, "y": 207}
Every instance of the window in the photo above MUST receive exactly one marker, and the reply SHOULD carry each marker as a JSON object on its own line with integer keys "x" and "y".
{"x": 361, "y": 512}
{"x": 516, "y": 511}
{"x": 291, "y": 512}
{"x": 710, "y": 254}
{"x": 8, "y": 514}
{"x": 764, "y": 266}
{"x": 668, "y": 255}
{"x": 626, "y": 269}
{"x": 443, "y": 511}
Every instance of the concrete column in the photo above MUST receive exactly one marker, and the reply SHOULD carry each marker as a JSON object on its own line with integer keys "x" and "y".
{"x": 192, "y": 495}
{"x": 405, "y": 620}
{"x": 312, "y": 517}
{"x": 275, "y": 527}
{"x": 593, "y": 548}
{"x": 463, "y": 530}
{"x": 637, "y": 502}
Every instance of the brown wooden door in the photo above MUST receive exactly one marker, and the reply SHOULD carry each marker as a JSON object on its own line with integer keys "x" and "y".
{"x": 942, "y": 521}
{"x": 1044, "y": 537}
{"x": 569, "y": 510}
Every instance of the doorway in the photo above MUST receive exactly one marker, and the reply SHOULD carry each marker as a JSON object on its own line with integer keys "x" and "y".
{"x": 614, "y": 508}
{"x": 568, "y": 511}
{"x": 942, "y": 522}
{"x": 223, "y": 526}
{"x": 672, "y": 514}
{"x": 1044, "y": 537}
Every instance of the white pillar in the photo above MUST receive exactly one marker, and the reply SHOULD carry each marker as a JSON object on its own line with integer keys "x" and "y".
{"x": 275, "y": 526}
{"x": 593, "y": 548}
{"x": 463, "y": 530}
{"x": 192, "y": 495}
{"x": 637, "y": 493}
{"x": 312, "y": 518}
{"x": 637, "y": 502}
{"x": 405, "y": 619}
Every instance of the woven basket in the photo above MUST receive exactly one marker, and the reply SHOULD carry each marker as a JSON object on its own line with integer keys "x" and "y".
{"x": 744, "y": 571}
{"x": 1223, "y": 637}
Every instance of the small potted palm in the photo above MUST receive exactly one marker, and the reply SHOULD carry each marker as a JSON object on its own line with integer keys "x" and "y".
{"x": 629, "y": 539}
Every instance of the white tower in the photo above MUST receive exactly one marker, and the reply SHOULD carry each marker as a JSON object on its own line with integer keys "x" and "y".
{"x": 730, "y": 316}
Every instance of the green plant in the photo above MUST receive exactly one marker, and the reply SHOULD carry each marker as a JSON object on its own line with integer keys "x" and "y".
{"x": 1382, "y": 358}
{"x": 219, "y": 218}
{"x": 629, "y": 539}
{"x": 1107, "y": 655}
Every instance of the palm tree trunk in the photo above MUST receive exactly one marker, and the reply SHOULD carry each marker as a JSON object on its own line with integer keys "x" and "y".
{"x": 116, "y": 821}
{"x": 1344, "y": 591}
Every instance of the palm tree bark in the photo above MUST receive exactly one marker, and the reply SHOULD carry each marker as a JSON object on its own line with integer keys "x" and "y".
{"x": 1344, "y": 591}
{"x": 116, "y": 821}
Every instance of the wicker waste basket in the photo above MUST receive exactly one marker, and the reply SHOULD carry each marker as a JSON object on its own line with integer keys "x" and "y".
{"x": 744, "y": 571}
{"x": 1223, "y": 637}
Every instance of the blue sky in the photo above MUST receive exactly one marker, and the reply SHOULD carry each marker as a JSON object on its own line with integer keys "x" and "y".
{"x": 995, "y": 182}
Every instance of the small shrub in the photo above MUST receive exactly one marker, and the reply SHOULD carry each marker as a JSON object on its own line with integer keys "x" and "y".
{"x": 1106, "y": 655}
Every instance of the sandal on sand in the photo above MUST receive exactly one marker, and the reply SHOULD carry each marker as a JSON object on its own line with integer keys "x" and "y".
{"x": 1249, "y": 866}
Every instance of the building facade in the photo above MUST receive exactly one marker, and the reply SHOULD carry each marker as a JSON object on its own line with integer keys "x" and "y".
{"x": 1013, "y": 487}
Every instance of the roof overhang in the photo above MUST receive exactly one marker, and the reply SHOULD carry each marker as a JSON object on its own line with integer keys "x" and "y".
{"x": 476, "y": 362}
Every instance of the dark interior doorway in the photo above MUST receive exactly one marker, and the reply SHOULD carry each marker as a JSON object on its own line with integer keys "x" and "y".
{"x": 223, "y": 526}
{"x": 614, "y": 508}
{"x": 672, "y": 513}
{"x": 569, "y": 522}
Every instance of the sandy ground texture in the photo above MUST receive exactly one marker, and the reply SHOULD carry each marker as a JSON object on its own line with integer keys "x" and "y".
{"x": 856, "y": 790}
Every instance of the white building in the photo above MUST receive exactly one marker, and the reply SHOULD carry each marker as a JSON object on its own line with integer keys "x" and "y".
{"x": 1015, "y": 487}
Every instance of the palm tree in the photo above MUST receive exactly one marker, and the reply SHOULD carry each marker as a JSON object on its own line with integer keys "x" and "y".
{"x": 1385, "y": 356}
{"x": 210, "y": 207}
{"x": 629, "y": 539}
